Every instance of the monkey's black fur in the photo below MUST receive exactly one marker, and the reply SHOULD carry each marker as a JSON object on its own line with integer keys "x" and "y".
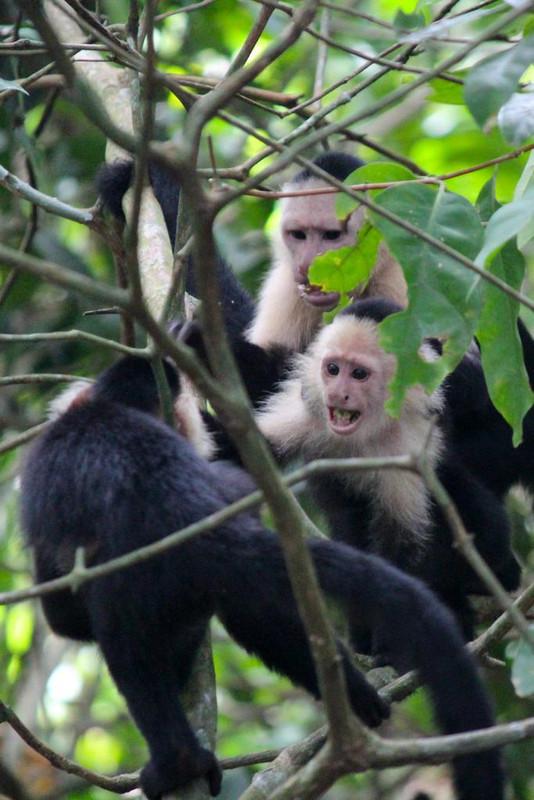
{"x": 110, "y": 477}
{"x": 441, "y": 566}
{"x": 112, "y": 183}
{"x": 338, "y": 165}
{"x": 479, "y": 435}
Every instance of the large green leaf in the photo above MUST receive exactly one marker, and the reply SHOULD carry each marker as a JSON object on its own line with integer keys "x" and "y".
{"x": 441, "y": 27}
{"x": 502, "y": 354}
{"x": 404, "y": 22}
{"x": 343, "y": 269}
{"x": 506, "y": 223}
{"x": 447, "y": 92}
{"x": 524, "y": 184}
{"x": 377, "y": 172}
{"x": 445, "y": 298}
{"x": 494, "y": 80}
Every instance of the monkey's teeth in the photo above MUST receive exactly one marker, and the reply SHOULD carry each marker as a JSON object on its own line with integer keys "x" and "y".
{"x": 344, "y": 416}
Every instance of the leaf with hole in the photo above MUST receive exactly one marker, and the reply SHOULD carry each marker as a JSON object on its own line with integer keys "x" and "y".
{"x": 445, "y": 298}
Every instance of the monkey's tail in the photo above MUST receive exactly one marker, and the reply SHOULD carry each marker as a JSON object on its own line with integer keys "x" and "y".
{"x": 112, "y": 182}
{"x": 413, "y": 630}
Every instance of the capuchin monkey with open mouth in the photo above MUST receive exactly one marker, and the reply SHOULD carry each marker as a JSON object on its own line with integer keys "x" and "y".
{"x": 333, "y": 406}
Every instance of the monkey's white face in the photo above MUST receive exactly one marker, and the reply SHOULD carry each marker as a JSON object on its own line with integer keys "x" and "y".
{"x": 352, "y": 374}
{"x": 309, "y": 228}
{"x": 345, "y": 402}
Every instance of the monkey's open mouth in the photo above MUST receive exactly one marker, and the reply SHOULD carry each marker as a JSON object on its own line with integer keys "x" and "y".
{"x": 343, "y": 420}
{"x": 315, "y": 296}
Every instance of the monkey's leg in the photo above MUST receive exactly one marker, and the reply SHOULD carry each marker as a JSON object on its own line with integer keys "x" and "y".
{"x": 149, "y": 648}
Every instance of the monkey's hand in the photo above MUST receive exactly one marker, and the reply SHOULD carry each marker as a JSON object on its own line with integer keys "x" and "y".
{"x": 160, "y": 777}
{"x": 189, "y": 332}
{"x": 365, "y": 700}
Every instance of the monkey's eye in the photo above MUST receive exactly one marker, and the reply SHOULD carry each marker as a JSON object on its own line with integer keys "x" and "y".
{"x": 296, "y": 234}
{"x": 360, "y": 373}
{"x": 331, "y": 236}
{"x": 332, "y": 368}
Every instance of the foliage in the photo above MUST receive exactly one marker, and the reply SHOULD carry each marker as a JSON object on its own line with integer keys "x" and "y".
{"x": 433, "y": 90}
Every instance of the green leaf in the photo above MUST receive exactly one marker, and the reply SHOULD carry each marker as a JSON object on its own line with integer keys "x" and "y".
{"x": 516, "y": 118}
{"x": 441, "y": 27}
{"x": 506, "y": 378}
{"x": 529, "y": 27}
{"x": 527, "y": 178}
{"x": 506, "y": 223}
{"x": 408, "y": 22}
{"x": 524, "y": 184}
{"x": 19, "y": 629}
{"x": 494, "y": 80}
{"x": 377, "y": 172}
{"x": 446, "y": 92}
{"x": 11, "y": 85}
{"x": 523, "y": 669}
{"x": 445, "y": 298}
{"x": 341, "y": 270}
{"x": 486, "y": 203}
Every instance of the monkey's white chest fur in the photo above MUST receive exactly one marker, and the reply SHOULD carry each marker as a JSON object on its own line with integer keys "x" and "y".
{"x": 296, "y": 426}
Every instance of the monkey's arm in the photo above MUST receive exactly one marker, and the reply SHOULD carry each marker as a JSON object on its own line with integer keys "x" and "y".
{"x": 262, "y": 369}
{"x": 112, "y": 183}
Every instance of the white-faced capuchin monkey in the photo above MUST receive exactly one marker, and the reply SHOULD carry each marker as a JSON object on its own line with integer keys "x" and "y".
{"x": 108, "y": 476}
{"x": 289, "y": 308}
{"x": 332, "y": 406}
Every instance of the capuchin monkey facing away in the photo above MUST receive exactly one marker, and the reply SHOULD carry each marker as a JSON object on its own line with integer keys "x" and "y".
{"x": 333, "y": 407}
{"x": 109, "y": 476}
